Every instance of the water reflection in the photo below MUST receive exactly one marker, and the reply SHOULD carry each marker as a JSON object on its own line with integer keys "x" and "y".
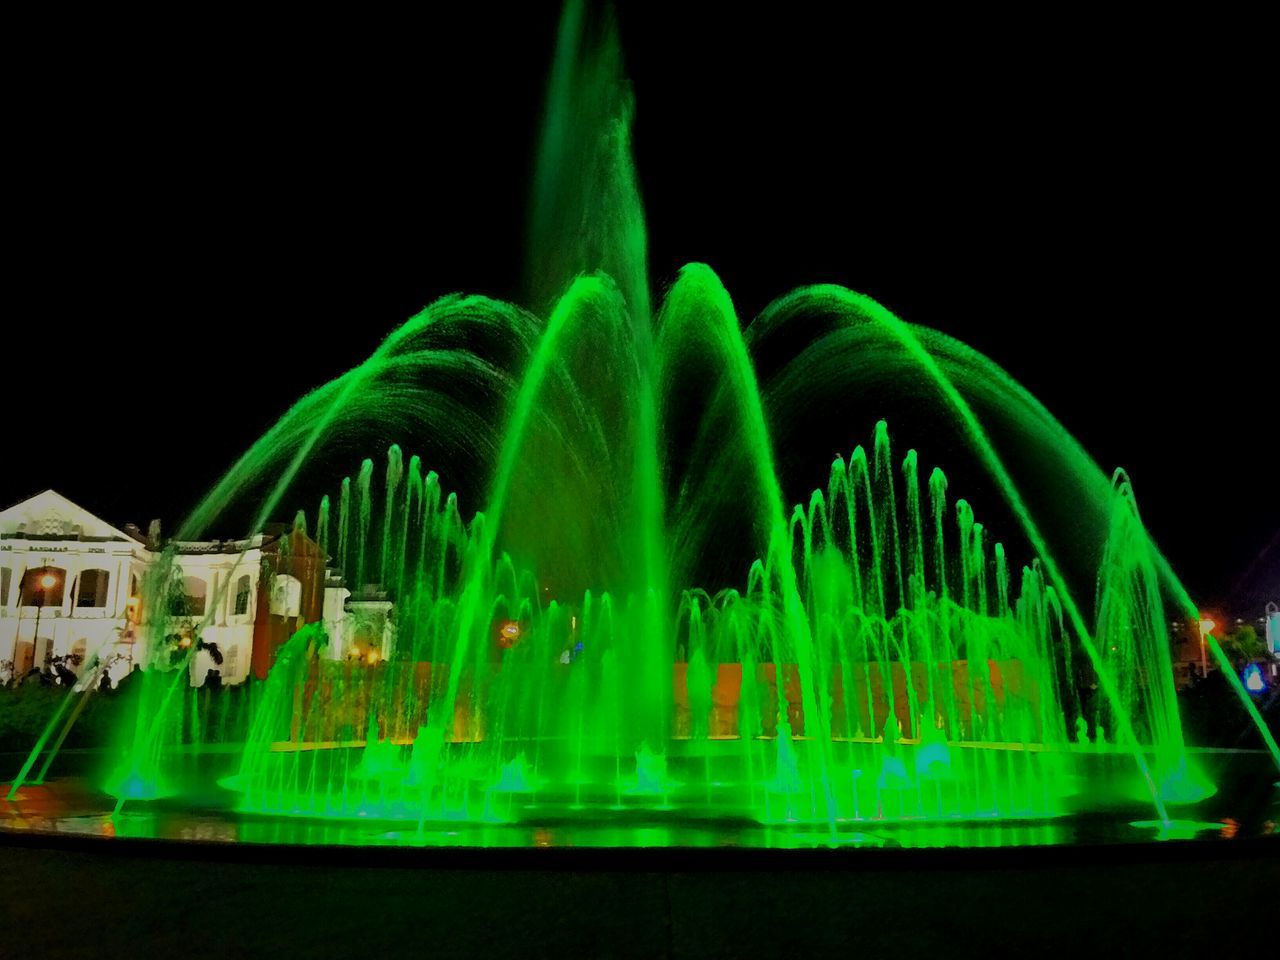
{"x": 68, "y": 807}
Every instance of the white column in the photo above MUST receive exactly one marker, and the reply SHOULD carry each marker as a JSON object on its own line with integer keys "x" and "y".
{"x": 219, "y": 599}
{"x": 119, "y": 586}
{"x": 72, "y": 567}
{"x": 19, "y": 561}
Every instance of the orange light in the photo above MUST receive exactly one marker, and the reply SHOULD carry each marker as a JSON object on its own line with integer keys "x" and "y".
{"x": 184, "y": 642}
{"x": 1207, "y": 626}
{"x": 48, "y": 581}
{"x": 509, "y": 634}
{"x": 373, "y": 656}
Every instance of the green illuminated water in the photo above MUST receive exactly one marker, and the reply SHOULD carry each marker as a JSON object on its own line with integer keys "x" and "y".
{"x": 693, "y": 639}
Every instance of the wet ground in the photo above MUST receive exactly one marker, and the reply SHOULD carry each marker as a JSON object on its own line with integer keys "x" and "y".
{"x": 209, "y": 882}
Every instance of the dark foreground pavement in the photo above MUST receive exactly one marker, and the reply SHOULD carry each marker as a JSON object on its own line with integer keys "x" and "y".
{"x": 81, "y": 897}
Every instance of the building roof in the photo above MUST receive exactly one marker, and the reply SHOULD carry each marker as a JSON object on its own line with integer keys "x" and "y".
{"x": 51, "y": 516}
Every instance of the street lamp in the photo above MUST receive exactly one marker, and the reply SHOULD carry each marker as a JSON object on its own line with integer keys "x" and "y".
{"x": 46, "y": 582}
{"x": 1206, "y": 627}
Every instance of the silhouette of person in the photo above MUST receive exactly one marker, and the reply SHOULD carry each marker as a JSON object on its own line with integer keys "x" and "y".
{"x": 66, "y": 676}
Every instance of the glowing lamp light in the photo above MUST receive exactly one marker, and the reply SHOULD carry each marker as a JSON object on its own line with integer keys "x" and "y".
{"x": 48, "y": 581}
{"x": 509, "y": 634}
{"x": 1207, "y": 626}
{"x": 373, "y": 656}
{"x": 1253, "y": 680}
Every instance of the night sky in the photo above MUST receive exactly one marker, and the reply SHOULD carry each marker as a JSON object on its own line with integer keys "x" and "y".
{"x": 202, "y": 230}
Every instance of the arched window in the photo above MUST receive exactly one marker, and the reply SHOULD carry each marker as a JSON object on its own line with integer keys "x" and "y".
{"x": 242, "y": 596}
{"x": 93, "y": 588}
{"x": 286, "y": 596}
{"x": 23, "y": 658}
{"x": 134, "y": 603}
{"x": 363, "y": 642}
{"x": 189, "y": 601}
{"x": 43, "y": 653}
{"x": 43, "y": 587}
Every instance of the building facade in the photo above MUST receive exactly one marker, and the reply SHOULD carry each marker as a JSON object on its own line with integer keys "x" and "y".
{"x": 72, "y": 594}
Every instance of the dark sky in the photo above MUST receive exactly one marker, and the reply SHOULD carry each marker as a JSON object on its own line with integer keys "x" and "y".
{"x": 204, "y": 228}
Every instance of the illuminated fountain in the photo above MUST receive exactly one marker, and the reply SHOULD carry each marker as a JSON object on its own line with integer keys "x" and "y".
{"x": 640, "y": 624}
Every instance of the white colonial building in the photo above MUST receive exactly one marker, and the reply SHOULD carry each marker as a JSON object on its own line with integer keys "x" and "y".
{"x": 71, "y": 592}
{"x": 69, "y": 584}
